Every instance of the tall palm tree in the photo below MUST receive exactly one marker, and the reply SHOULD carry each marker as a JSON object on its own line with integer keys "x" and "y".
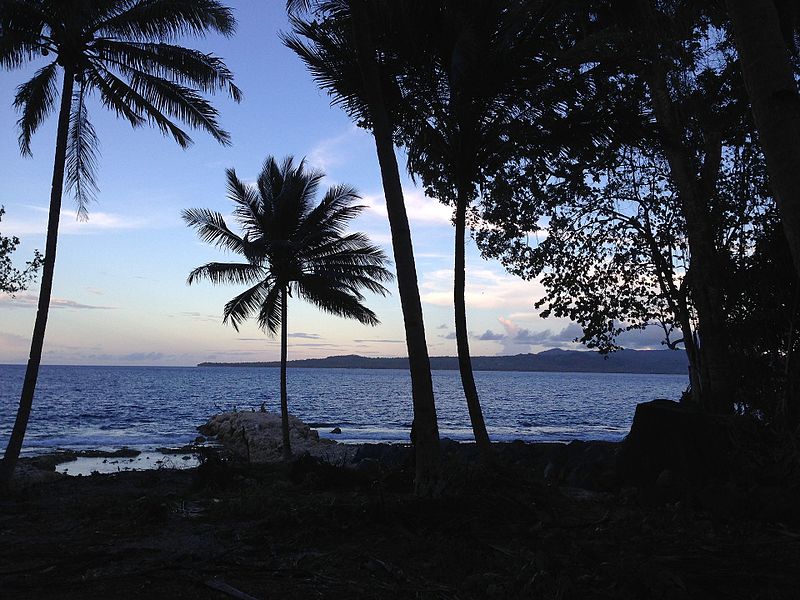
{"x": 123, "y": 50}
{"x": 341, "y": 54}
{"x": 291, "y": 248}
{"x": 462, "y": 102}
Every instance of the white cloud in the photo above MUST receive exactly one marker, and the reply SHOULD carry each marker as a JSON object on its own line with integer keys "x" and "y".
{"x": 335, "y": 151}
{"x": 31, "y": 300}
{"x": 420, "y": 208}
{"x": 69, "y": 225}
{"x": 484, "y": 289}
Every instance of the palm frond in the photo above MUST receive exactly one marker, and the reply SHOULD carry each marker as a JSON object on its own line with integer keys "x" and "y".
{"x": 21, "y": 27}
{"x": 295, "y": 6}
{"x": 117, "y": 93}
{"x": 293, "y": 196}
{"x": 82, "y": 148}
{"x": 334, "y": 300}
{"x": 335, "y": 210}
{"x": 35, "y": 99}
{"x": 354, "y": 281}
{"x": 111, "y": 99}
{"x": 176, "y": 63}
{"x": 241, "y": 307}
{"x": 167, "y": 19}
{"x": 233, "y": 273}
{"x": 249, "y": 204}
{"x": 178, "y": 101}
{"x": 327, "y": 50}
{"x": 211, "y": 228}
{"x": 269, "y": 316}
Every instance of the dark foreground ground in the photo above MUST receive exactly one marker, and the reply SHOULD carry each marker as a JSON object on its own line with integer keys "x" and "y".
{"x": 311, "y": 530}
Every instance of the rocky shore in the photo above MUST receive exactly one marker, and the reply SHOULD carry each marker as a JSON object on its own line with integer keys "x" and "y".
{"x": 542, "y": 521}
{"x": 256, "y": 438}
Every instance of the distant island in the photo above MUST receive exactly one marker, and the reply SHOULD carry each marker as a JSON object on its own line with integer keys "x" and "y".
{"x": 570, "y": 361}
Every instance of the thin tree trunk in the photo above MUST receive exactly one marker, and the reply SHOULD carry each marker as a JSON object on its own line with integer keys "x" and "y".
{"x": 677, "y": 302}
{"x": 462, "y": 337}
{"x": 287, "y": 448}
{"x": 425, "y": 429}
{"x": 40, "y": 325}
{"x": 770, "y": 82}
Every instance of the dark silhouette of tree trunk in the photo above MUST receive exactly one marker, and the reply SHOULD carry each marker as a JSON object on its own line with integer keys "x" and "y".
{"x": 287, "y": 448}
{"x": 704, "y": 276}
{"x": 45, "y": 291}
{"x": 676, "y": 300}
{"x": 425, "y": 429}
{"x": 695, "y": 191}
{"x": 770, "y": 82}
{"x": 462, "y": 338}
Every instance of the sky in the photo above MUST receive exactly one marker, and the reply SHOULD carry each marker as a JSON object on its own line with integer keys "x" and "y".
{"x": 120, "y": 295}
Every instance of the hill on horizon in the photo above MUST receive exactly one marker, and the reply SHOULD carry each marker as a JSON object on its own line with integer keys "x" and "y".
{"x": 554, "y": 360}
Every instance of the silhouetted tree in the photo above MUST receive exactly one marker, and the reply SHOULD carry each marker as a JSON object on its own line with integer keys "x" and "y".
{"x": 12, "y": 280}
{"x": 123, "y": 50}
{"x": 682, "y": 74}
{"x": 340, "y": 50}
{"x": 291, "y": 248}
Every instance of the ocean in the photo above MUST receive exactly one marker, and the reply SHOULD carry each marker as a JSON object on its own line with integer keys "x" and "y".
{"x": 148, "y": 407}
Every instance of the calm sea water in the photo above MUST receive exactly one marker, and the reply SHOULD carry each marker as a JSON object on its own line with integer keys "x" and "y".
{"x": 147, "y": 407}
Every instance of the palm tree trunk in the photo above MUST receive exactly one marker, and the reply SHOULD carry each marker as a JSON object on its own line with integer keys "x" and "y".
{"x": 770, "y": 82}
{"x": 40, "y": 325}
{"x": 425, "y": 429}
{"x": 287, "y": 448}
{"x": 462, "y": 338}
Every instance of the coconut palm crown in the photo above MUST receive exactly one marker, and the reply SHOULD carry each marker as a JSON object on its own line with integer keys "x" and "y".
{"x": 292, "y": 247}
{"x": 124, "y": 51}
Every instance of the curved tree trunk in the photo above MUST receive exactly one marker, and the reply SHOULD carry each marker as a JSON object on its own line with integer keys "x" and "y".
{"x": 425, "y": 429}
{"x": 45, "y": 291}
{"x": 287, "y": 447}
{"x": 462, "y": 336}
{"x": 770, "y": 82}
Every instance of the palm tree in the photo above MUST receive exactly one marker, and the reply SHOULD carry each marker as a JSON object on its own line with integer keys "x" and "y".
{"x": 291, "y": 248}
{"x": 123, "y": 50}
{"x": 462, "y": 100}
{"x": 341, "y": 54}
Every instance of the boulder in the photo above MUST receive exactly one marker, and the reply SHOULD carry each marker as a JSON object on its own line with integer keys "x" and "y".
{"x": 256, "y": 437}
{"x": 666, "y": 436}
{"x": 27, "y": 475}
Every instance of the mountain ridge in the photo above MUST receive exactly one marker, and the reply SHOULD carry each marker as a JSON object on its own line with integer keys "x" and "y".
{"x": 553, "y": 360}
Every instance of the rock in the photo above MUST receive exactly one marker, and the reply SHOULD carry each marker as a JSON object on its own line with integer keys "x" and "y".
{"x": 256, "y": 437}
{"x": 670, "y": 486}
{"x": 336, "y": 430}
{"x": 26, "y": 475}
{"x": 200, "y": 439}
{"x": 665, "y": 435}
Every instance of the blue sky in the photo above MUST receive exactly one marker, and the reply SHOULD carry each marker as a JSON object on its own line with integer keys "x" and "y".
{"x": 120, "y": 293}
